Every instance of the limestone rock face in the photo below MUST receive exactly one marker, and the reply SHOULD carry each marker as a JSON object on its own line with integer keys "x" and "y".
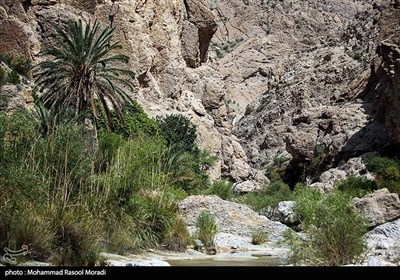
{"x": 379, "y": 207}
{"x": 384, "y": 244}
{"x": 198, "y": 29}
{"x": 259, "y": 79}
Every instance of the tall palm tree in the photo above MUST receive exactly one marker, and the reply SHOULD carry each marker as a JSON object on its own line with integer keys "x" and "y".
{"x": 80, "y": 71}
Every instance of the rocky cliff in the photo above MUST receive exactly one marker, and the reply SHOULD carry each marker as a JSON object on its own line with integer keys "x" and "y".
{"x": 260, "y": 79}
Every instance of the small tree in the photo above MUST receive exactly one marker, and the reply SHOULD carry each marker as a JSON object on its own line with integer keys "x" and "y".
{"x": 179, "y": 132}
{"x": 335, "y": 232}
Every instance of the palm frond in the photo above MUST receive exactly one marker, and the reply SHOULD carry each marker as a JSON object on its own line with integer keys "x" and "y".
{"x": 79, "y": 69}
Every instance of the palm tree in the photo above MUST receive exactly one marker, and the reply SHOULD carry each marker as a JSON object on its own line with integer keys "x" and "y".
{"x": 79, "y": 71}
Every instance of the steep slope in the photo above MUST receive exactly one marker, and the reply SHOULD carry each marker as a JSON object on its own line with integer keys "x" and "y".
{"x": 260, "y": 79}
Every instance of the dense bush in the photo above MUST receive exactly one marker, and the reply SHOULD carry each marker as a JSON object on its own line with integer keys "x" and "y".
{"x": 334, "y": 230}
{"x": 21, "y": 65}
{"x": 270, "y": 195}
{"x": 387, "y": 171}
{"x": 179, "y": 132}
{"x": 135, "y": 122}
{"x": 356, "y": 186}
{"x": 13, "y": 78}
{"x": 222, "y": 188}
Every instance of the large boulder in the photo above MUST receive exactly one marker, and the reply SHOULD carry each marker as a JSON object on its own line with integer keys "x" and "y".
{"x": 231, "y": 218}
{"x": 353, "y": 167}
{"x": 247, "y": 187}
{"x": 384, "y": 244}
{"x": 284, "y": 213}
{"x": 379, "y": 207}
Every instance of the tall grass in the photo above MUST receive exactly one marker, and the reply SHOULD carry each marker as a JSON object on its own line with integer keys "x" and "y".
{"x": 68, "y": 203}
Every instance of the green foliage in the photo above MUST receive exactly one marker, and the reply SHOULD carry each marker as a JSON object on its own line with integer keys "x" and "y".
{"x": 258, "y": 237}
{"x": 21, "y": 65}
{"x": 270, "y": 195}
{"x": 13, "y": 78}
{"x": 277, "y": 170}
{"x": 135, "y": 123}
{"x": 206, "y": 228}
{"x": 3, "y": 76}
{"x": 222, "y": 188}
{"x": 6, "y": 58}
{"x": 357, "y": 56}
{"x": 356, "y": 186}
{"x": 80, "y": 72}
{"x": 121, "y": 198}
{"x": 185, "y": 161}
{"x": 177, "y": 237}
{"x": 387, "y": 171}
{"x": 334, "y": 230}
{"x": 179, "y": 132}
{"x": 77, "y": 236}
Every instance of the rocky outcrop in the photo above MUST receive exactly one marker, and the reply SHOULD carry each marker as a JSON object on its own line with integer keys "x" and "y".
{"x": 284, "y": 213}
{"x": 285, "y": 77}
{"x": 386, "y": 88}
{"x": 353, "y": 167}
{"x": 311, "y": 99}
{"x": 384, "y": 244}
{"x": 15, "y": 96}
{"x": 231, "y": 218}
{"x": 198, "y": 29}
{"x": 379, "y": 207}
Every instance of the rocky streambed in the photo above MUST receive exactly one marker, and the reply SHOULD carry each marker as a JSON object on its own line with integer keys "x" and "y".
{"x": 236, "y": 223}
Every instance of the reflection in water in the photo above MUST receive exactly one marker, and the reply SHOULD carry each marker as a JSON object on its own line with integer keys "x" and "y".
{"x": 261, "y": 261}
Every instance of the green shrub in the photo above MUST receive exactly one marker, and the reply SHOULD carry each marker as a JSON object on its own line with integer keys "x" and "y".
{"x": 21, "y": 65}
{"x": 356, "y": 186}
{"x": 270, "y": 195}
{"x": 136, "y": 122}
{"x": 6, "y": 58}
{"x": 206, "y": 228}
{"x": 223, "y": 189}
{"x": 179, "y": 132}
{"x": 387, "y": 171}
{"x": 3, "y": 76}
{"x": 335, "y": 232}
{"x": 258, "y": 237}
{"x": 13, "y": 78}
{"x": 121, "y": 198}
{"x": 30, "y": 226}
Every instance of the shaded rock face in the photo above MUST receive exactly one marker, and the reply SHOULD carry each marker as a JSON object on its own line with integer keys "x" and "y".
{"x": 198, "y": 29}
{"x": 386, "y": 88}
{"x": 314, "y": 84}
{"x": 379, "y": 207}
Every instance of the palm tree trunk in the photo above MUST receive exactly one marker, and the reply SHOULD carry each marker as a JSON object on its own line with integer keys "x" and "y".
{"x": 91, "y": 136}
